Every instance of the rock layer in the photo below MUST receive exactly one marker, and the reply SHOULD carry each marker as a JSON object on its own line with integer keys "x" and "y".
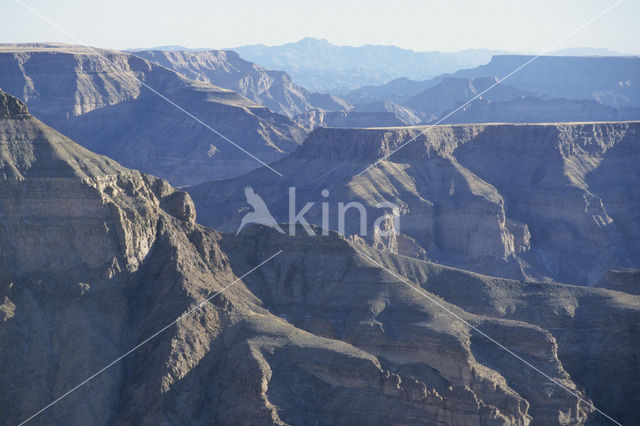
{"x": 96, "y": 258}
{"x": 271, "y": 88}
{"x": 522, "y": 201}
{"x": 96, "y": 97}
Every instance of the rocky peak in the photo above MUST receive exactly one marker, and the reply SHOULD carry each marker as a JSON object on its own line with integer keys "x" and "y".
{"x": 12, "y": 107}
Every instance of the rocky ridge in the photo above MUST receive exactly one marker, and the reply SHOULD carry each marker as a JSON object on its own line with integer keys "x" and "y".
{"x": 105, "y": 108}
{"x": 271, "y": 88}
{"x": 321, "y": 66}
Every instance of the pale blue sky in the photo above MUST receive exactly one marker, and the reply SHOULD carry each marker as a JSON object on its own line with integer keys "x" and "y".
{"x": 525, "y": 26}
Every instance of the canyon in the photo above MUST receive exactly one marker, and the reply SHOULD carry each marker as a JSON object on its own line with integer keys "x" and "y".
{"x": 96, "y": 258}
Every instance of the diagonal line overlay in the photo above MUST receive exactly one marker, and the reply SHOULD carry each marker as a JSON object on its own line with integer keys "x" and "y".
{"x": 468, "y": 324}
{"x": 545, "y": 51}
{"x": 135, "y": 348}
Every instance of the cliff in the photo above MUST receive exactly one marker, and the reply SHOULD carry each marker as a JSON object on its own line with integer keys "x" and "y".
{"x": 271, "y": 88}
{"x": 549, "y": 201}
{"x": 529, "y": 109}
{"x": 105, "y": 108}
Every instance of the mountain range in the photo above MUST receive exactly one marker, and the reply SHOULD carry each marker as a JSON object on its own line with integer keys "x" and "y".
{"x": 542, "y": 89}
{"x": 98, "y": 260}
{"x": 321, "y": 66}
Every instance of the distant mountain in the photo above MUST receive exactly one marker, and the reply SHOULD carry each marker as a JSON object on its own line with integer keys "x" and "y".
{"x": 599, "y": 88}
{"x": 273, "y": 89}
{"x": 405, "y": 114}
{"x": 530, "y": 109}
{"x": 613, "y": 81}
{"x": 452, "y": 92}
{"x": 106, "y": 109}
{"x": 321, "y": 66}
{"x": 398, "y": 91}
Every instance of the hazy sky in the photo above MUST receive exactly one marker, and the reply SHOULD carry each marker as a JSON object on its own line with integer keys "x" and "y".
{"x": 525, "y": 26}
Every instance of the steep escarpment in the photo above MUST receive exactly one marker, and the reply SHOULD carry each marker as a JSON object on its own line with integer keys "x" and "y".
{"x": 271, "y": 88}
{"x": 97, "y": 98}
{"x": 97, "y": 258}
{"x": 537, "y": 201}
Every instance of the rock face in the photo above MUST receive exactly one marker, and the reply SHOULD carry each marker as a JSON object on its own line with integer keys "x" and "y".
{"x": 12, "y": 107}
{"x": 97, "y": 258}
{"x": 105, "y": 108}
{"x": 622, "y": 279}
{"x": 273, "y": 89}
{"x": 550, "y": 202}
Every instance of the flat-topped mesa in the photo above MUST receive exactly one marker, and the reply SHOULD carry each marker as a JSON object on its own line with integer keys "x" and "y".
{"x": 11, "y": 107}
{"x": 370, "y": 144}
